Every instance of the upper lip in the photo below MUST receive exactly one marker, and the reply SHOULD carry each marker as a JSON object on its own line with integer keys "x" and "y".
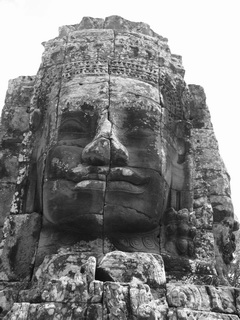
{"x": 103, "y": 173}
{"x": 127, "y": 175}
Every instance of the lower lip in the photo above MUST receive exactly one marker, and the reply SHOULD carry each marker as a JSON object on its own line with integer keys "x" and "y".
{"x": 123, "y": 186}
{"x": 90, "y": 185}
{"x": 110, "y": 186}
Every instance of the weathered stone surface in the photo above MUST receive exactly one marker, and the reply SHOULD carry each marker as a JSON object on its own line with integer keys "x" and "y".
{"x": 95, "y": 291}
{"x": 125, "y": 267}
{"x": 204, "y": 245}
{"x": 237, "y": 296}
{"x": 20, "y": 237}
{"x": 7, "y": 191}
{"x": 204, "y": 216}
{"x": 8, "y": 295}
{"x": 115, "y": 301}
{"x": 199, "y": 112}
{"x": 222, "y": 299}
{"x": 188, "y": 296}
{"x": 79, "y": 266}
{"x": 65, "y": 278}
{"x": 109, "y": 166}
{"x": 8, "y": 166}
{"x": 180, "y": 232}
{"x": 143, "y": 304}
{"x": 50, "y": 243}
{"x": 184, "y": 314}
{"x": 19, "y": 311}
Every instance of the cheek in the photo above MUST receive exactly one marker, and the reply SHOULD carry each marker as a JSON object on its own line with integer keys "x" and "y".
{"x": 67, "y": 157}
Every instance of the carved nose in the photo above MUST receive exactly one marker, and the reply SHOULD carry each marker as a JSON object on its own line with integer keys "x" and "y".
{"x": 119, "y": 154}
{"x": 97, "y": 152}
{"x": 105, "y": 149}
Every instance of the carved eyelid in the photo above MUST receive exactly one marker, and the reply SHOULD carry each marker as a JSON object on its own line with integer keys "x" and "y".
{"x": 72, "y": 125}
{"x": 139, "y": 132}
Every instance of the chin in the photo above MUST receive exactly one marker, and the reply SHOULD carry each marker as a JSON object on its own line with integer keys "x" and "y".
{"x": 127, "y": 220}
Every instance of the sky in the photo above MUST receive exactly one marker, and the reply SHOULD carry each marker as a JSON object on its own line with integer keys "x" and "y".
{"x": 204, "y": 32}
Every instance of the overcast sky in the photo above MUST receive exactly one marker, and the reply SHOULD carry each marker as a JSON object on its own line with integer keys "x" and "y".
{"x": 204, "y": 32}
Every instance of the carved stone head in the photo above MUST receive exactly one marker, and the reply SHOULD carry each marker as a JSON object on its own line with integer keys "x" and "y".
{"x": 114, "y": 142}
{"x": 119, "y": 153}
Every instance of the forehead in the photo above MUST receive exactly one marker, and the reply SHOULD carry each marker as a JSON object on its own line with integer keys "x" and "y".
{"x": 109, "y": 94}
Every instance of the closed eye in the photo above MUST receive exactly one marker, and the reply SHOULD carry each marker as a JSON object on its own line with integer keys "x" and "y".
{"x": 74, "y": 129}
{"x": 138, "y": 133}
{"x": 72, "y": 125}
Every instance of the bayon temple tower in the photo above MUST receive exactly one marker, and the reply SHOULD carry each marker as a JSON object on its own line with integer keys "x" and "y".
{"x": 115, "y": 203}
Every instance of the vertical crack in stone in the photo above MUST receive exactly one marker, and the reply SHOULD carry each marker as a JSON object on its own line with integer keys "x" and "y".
{"x": 34, "y": 256}
{"x": 166, "y": 195}
{"x": 110, "y": 154}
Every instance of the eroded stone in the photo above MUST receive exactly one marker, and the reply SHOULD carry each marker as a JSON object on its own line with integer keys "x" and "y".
{"x": 21, "y": 233}
{"x": 125, "y": 267}
{"x": 116, "y": 152}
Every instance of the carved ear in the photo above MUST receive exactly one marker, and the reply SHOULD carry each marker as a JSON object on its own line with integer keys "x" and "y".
{"x": 182, "y": 132}
{"x": 35, "y": 119}
{"x": 235, "y": 226}
{"x": 183, "y": 129}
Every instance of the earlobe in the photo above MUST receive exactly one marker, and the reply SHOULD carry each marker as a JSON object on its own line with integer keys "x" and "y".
{"x": 35, "y": 119}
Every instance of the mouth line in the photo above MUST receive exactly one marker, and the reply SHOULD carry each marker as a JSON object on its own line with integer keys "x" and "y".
{"x": 107, "y": 180}
{"x": 103, "y": 174}
{"x": 117, "y": 174}
{"x": 111, "y": 186}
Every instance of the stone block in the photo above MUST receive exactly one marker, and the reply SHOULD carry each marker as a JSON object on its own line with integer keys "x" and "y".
{"x": 121, "y": 86}
{"x": 18, "y": 247}
{"x": 80, "y": 267}
{"x": 79, "y": 89}
{"x": 180, "y": 231}
{"x": 18, "y": 311}
{"x": 188, "y": 296}
{"x": 237, "y": 295}
{"x": 189, "y": 271}
{"x": 143, "y": 305}
{"x": 136, "y": 242}
{"x": 219, "y": 182}
{"x": 204, "y": 138}
{"x": 200, "y": 198}
{"x": 54, "y": 52}
{"x": 208, "y": 159}
{"x": 204, "y": 216}
{"x": 53, "y": 310}
{"x": 204, "y": 245}
{"x": 199, "y": 111}
{"x": 19, "y": 92}
{"x": 50, "y": 243}
{"x": 8, "y": 166}
{"x": 124, "y": 267}
{"x": 94, "y": 312}
{"x": 96, "y": 45}
{"x": 186, "y": 314}
{"x": 95, "y": 291}
{"x": 7, "y": 191}
{"x": 222, "y": 207}
{"x": 8, "y": 295}
{"x": 20, "y": 120}
{"x": 222, "y": 299}
{"x": 65, "y": 290}
{"x": 115, "y": 301}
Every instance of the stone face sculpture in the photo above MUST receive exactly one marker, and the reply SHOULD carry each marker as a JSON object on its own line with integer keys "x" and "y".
{"x": 112, "y": 184}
